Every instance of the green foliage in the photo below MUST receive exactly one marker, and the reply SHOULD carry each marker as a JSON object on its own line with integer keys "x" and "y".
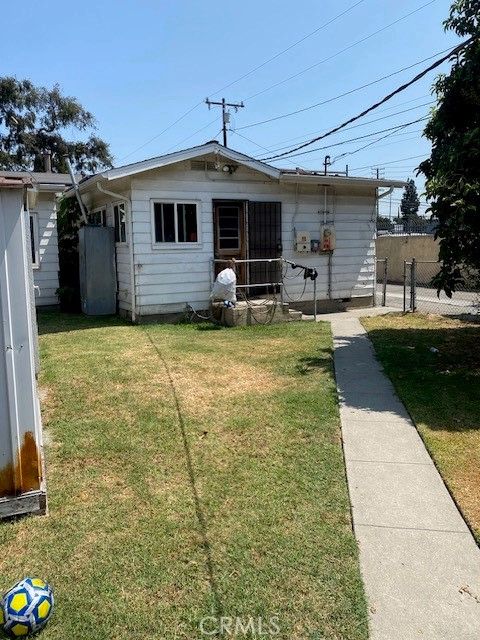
{"x": 68, "y": 224}
{"x": 384, "y": 223}
{"x": 34, "y": 120}
{"x": 410, "y": 201}
{"x": 452, "y": 171}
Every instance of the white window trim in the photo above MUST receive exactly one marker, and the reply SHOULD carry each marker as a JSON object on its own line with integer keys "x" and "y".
{"x": 36, "y": 238}
{"x": 158, "y": 246}
{"x": 121, "y": 243}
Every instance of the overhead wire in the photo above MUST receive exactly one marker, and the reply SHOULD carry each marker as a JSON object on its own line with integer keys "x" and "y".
{"x": 363, "y": 124}
{"x": 342, "y": 95}
{"x": 350, "y": 46}
{"x": 389, "y": 96}
{"x": 245, "y": 75}
{"x": 280, "y": 53}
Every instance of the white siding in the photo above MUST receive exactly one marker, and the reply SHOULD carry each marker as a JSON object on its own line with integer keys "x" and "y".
{"x": 45, "y": 276}
{"x": 166, "y": 279}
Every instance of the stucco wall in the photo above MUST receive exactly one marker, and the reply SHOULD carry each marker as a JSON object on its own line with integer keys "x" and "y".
{"x": 400, "y": 248}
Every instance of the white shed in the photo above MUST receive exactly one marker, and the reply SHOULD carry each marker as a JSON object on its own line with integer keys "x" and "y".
{"x": 174, "y": 214}
{"x": 22, "y": 484}
{"x": 43, "y": 231}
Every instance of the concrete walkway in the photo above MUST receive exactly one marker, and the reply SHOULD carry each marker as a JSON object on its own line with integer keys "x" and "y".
{"x": 419, "y": 561}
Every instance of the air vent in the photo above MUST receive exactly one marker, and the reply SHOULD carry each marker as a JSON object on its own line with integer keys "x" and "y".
{"x": 201, "y": 165}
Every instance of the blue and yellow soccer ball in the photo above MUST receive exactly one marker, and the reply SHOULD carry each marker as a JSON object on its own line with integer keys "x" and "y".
{"x": 26, "y": 608}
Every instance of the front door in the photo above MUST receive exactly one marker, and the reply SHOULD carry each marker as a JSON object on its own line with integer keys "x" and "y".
{"x": 264, "y": 241}
{"x": 230, "y": 241}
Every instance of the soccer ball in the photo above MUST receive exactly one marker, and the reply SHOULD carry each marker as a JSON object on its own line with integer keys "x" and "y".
{"x": 26, "y": 608}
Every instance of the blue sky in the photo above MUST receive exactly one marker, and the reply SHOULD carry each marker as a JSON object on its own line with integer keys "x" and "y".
{"x": 139, "y": 66}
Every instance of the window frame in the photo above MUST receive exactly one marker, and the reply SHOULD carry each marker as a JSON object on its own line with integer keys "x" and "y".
{"x": 124, "y": 205}
{"x": 176, "y": 244}
{"x": 103, "y": 211}
{"x": 33, "y": 224}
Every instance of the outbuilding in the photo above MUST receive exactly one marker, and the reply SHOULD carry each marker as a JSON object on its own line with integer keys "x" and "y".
{"x": 42, "y": 219}
{"x": 177, "y": 216}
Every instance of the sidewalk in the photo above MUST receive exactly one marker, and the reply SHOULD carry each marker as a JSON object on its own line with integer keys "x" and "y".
{"x": 419, "y": 561}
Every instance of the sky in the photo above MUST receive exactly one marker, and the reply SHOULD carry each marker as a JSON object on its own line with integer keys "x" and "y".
{"x": 139, "y": 66}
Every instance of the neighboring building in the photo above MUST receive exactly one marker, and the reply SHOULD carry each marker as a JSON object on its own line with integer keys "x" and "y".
{"x": 43, "y": 231}
{"x": 22, "y": 481}
{"x": 174, "y": 214}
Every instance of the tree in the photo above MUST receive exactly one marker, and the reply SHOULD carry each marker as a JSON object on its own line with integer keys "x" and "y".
{"x": 452, "y": 171}
{"x": 34, "y": 120}
{"x": 410, "y": 201}
{"x": 384, "y": 223}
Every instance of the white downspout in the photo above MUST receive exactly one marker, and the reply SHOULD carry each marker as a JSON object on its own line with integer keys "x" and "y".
{"x": 118, "y": 196}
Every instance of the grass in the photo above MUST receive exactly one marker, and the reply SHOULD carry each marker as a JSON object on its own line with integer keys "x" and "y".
{"x": 239, "y": 509}
{"x": 441, "y": 391}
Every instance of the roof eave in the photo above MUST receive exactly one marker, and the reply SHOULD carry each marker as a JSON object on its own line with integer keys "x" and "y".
{"x": 341, "y": 180}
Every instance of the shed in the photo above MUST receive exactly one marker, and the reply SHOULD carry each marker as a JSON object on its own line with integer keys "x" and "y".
{"x": 42, "y": 220}
{"x": 174, "y": 215}
{"x": 22, "y": 484}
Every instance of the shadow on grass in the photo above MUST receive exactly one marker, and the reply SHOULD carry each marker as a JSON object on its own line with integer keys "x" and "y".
{"x": 58, "y": 322}
{"x": 436, "y": 372}
{"x": 322, "y": 360}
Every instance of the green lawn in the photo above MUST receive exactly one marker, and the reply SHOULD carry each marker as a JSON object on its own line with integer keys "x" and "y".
{"x": 240, "y": 508}
{"x": 441, "y": 391}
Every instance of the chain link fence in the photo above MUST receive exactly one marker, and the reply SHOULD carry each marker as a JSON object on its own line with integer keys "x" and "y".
{"x": 416, "y": 292}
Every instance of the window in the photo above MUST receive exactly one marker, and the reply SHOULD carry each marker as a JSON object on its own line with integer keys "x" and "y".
{"x": 175, "y": 222}
{"x": 119, "y": 216}
{"x": 228, "y": 230}
{"x": 98, "y": 217}
{"x": 34, "y": 248}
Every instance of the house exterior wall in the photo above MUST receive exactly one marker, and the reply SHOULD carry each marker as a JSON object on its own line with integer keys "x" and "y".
{"x": 45, "y": 274}
{"x": 168, "y": 278}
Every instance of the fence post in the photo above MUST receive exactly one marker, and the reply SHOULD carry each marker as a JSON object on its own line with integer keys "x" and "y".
{"x": 413, "y": 285}
{"x": 384, "y": 293}
{"x": 315, "y": 299}
{"x": 404, "y": 286}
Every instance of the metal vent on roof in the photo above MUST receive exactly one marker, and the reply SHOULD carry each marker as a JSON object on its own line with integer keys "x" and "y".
{"x": 201, "y": 165}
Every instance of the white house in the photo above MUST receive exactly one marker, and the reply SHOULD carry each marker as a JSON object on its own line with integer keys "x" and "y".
{"x": 174, "y": 214}
{"x": 43, "y": 230}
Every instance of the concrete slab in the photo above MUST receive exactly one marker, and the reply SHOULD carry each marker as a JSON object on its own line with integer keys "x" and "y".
{"x": 379, "y": 441}
{"x": 391, "y": 494}
{"x": 419, "y": 562}
{"x": 420, "y": 584}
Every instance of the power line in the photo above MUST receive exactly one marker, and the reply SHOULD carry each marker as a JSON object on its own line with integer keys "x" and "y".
{"x": 354, "y": 44}
{"x": 259, "y": 145}
{"x": 312, "y": 133}
{"x": 368, "y": 166}
{"x": 351, "y": 153}
{"x": 368, "y": 135}
{"x": 342, "y": 95}
{"x": 161, "y": 132}
{"x": 363, "y": 124}
{"x": 420, "y": 75}
{"x": 192, "y": 134}
{"x": 245, "y": 75}
{"x": 280, "y": 53}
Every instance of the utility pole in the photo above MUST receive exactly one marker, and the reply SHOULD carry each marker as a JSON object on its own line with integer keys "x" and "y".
{"x": 225, "y": 113}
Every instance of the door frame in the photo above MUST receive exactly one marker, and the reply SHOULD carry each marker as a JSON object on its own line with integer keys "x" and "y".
{"x": 242, "y": 252}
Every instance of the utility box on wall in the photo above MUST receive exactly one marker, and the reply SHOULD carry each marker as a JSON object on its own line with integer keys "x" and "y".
{"x": 22, "y": 483}
{"x": 98, "y": 279}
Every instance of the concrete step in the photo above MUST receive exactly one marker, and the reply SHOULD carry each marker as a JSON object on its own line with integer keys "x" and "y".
{"x": 254, "y": 312}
